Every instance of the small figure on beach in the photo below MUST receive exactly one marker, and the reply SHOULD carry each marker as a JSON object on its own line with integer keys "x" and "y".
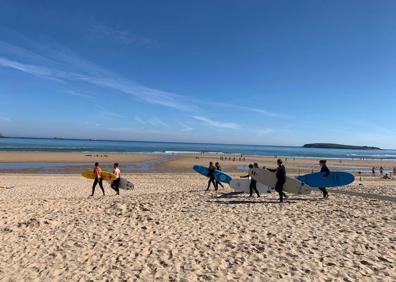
{"x": 373, "y": 171}
{"x": 212, "y": 176}
{"x": 394, "y": 170}
{"x": 98, "y": 179}
{"x": 381, "y": 169}
{"x": 115, "y": 184}
{"x": 218, "y": 167}
{"x": 326, "y": 172}
{"x": 386, "y": 176}
{"x": 253, "y": 183}
{"x": 281, "y": 179}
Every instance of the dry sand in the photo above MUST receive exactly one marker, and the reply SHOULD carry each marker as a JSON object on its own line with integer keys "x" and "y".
{"x": 170, "y": 229}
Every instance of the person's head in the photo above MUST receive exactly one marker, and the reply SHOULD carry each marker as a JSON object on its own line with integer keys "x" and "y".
{"x": 96, "y": 164}
{"x": 250, "y": 166}
{"x": 217, "y": 164}
{"x": 279, "y": 162}
{"x": 115, "y": 165}
{"x": 322, "y": 162}
{"x": 210, "y": 163}
{"x": 255, "y": 165}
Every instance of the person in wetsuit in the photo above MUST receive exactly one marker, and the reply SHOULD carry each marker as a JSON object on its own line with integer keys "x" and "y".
{"x": 326, "y": 172}
{"x": 98, "y": 179}
{"x": 115, "y": 184}
{"x": 253, "y": 183}
{"x": 212, "y": 176}
{"x": 218, "y": 167}
{"x": 281, "y": 179}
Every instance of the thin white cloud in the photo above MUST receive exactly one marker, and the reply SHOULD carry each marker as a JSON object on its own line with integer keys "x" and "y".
{"x": 154, "y": 121}
{"x": 264, "y": 131}
{"x": 79, "y": 94}
{"x": 110, "y": 114}
{"x": 139, "y": 120}
{"x": 185, "y": 127}
{"x": 214, "y": 123}
{"x": 122, "y": 36}
{"x": 5, "y": 119}
{"x": 251, "y": 109}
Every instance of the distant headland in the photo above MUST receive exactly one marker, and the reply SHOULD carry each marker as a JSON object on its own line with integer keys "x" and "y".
{"x": 339, "y": 146}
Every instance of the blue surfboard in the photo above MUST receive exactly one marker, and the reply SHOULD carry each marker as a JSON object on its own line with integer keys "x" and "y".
{"x": 334, "y": 179}
{"x": 220, "y": 175}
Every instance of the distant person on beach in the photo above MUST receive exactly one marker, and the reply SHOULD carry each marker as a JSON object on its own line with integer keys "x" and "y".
{"x": 115, "y": 184}
{"x": 326, "y": 172}
{"x": 212, "y": 176}
{"x": 253, "y": 183}
{"x": 373, "y": 171}
{"x": 98, "y": 179}
{"x": 381, "y": 170}
{"x": 218, "y": 167}
{"x": 394, "y": 170}
{"x": 281, "y": 179}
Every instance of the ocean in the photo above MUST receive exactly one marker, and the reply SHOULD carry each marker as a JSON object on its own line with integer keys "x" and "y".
{"x": 73, "y": 145}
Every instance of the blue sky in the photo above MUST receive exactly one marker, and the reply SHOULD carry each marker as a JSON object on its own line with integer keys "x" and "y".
{"x": 249, "y": 72}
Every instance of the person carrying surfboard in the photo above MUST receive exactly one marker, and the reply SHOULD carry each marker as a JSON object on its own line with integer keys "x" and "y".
{"x": 281, "y": 179}
{"x": 253, "y": 183}
{"x": 218, "y": 167}
{"x": 326, "y": 172}
{"x": 115, "y": 184}
{"x": 98, "y": 179}
{"x": 212, "y": 176}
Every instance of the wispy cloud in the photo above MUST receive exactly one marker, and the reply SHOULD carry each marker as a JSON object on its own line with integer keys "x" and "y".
{"x": 214, "y": 123}
{"x": 154, "y": 121}
{"x": 5, "y": 119}
{"x": 79, "y": 94}
{"x": 264, "y": 131}
{"x": 185, "y": 127}
{"x": 119, "y": 35}
{"x": 139, "y": 120}
{"x": 97, "y": 76}
{"x": 110, "y": 114}
{"x": 251, "y": 109}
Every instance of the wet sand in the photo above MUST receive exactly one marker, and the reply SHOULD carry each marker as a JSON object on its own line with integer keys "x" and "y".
{"x": 168, "y": 228}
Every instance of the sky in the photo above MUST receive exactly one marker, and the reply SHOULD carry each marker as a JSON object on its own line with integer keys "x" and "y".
{"x": 243, "y": 72}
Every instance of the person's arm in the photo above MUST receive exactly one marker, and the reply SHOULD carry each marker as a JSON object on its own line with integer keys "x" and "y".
{"x": 245, "y": 176}
{"x": 327, "y": 171}
{"x": 271, "y": 169}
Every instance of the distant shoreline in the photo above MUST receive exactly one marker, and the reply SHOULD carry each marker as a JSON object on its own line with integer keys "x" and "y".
{"x": 339, "y": 146}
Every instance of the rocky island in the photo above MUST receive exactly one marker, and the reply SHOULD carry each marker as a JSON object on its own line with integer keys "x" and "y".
{"x": 339, "y": 146}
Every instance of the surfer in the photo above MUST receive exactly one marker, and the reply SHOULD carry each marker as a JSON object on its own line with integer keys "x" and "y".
{"x": 218, "y": 167}
{"x": 98, "y": 179}
{"x": 115, "y": 184}
{"x": 326, "y": 171}
{"x": 281, "y": 179}
{"x": 253, "y": 183}
{"x": 212, "y": 176}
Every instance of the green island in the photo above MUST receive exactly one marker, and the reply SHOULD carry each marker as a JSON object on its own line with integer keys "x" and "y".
{"x": 339, "y": 146}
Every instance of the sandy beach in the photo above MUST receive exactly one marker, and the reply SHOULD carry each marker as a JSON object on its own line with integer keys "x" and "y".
{"x": 169, "y": 228}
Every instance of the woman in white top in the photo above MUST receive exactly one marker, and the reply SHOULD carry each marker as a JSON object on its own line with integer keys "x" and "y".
{"x": 116, "y": 183}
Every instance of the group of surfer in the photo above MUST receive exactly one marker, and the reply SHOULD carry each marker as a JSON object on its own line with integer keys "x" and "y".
{"x": 115, "y": 184}
{"x": 280, "y": 172}
{"x": 212, "y": 176}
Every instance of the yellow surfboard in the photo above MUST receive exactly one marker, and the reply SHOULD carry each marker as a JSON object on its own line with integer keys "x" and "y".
{"x": 105, "y": 175}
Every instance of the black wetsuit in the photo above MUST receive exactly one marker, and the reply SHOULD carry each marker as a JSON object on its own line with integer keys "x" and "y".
{"x": 326, "y": 171}
{"x": 218, "y": 182}
{"x": 97, "y": 180}
{"x": 281, "y": 179}
{"x": 212, "y": 177}
{"x": 115, "y": 184}
{"x": 252, "y": 185}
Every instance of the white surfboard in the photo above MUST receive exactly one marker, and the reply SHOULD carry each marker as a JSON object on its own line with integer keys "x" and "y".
{"x": 268, "y": 178}
{"x": 126, "y": 184}
{"x": 242, "y": 185}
